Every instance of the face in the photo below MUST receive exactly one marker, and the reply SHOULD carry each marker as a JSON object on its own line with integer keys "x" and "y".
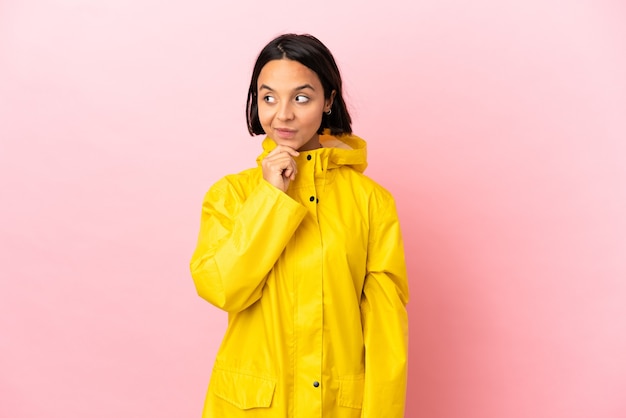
{"x": 291, "y": 103}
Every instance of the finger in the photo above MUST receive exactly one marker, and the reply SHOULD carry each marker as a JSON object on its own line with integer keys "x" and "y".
{"x": 290, "y": 170}
{"x": 278, "y": 156}
{"x": 279, "y": 162}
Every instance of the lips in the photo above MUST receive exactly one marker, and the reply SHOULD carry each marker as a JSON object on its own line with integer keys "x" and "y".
{"x": 285, "y": 133}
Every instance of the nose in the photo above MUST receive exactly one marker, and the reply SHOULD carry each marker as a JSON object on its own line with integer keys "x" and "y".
{"x": 285, "y": 111}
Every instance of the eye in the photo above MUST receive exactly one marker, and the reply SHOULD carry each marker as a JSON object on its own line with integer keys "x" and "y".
{"x": 301, "y": 98}
{"x": 269, "y": 99}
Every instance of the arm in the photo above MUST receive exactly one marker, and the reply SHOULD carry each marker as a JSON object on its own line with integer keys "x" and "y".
{"x": 384, "y": 317}
{"x": 240, "y": 241}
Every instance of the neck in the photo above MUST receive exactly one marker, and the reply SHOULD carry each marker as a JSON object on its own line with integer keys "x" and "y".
{"x": 314, "y": 143}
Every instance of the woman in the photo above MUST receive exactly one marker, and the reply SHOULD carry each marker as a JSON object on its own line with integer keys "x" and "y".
{"x": 305, "y": 254}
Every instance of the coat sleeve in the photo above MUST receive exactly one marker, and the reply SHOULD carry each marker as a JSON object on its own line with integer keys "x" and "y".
{"x": 240, "y": 240}
{"x": 384, "y": 317}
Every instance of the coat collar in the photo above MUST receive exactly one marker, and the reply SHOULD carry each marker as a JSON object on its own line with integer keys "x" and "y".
{"x": 344, "y": 150}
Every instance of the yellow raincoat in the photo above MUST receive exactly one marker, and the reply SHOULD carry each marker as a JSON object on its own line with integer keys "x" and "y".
{"x": 315, "y": 286}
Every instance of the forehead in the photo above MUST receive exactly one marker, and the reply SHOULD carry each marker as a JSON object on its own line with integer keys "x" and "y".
{"x": 287, "y": 74}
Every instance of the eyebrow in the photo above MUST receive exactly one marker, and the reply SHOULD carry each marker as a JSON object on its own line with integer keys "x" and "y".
{"x": 299, "y": 88}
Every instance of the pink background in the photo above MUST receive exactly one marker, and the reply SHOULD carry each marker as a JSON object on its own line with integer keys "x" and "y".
{"x": 499, "y": 126}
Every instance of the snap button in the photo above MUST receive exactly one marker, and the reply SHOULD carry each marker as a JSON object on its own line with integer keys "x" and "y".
{"x": 312, "y": 198}
{"x": 308, "y": 157}
{"x": 316, "y": 384}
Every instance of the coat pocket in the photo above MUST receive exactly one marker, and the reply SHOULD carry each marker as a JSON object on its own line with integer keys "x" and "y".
{"x": 351, "y": 391}
{"x": 243, "y": 390}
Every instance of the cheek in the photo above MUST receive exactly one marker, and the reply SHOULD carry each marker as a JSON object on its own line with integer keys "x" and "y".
{"x": 314, "y": 120}
{"x": 265, "y": 116}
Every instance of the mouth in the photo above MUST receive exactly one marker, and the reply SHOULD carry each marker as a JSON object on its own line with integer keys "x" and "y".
{"x": 285, "y": 133}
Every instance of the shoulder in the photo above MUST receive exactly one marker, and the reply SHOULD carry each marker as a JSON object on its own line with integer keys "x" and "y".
{"x": 237, "y": 186}
{"x": 375, "y": 192}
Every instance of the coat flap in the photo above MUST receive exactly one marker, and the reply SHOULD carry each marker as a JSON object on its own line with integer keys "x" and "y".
{"x": 243, "y": 390}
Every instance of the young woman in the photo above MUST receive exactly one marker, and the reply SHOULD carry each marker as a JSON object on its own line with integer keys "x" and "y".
{"x": 305, "y": 254}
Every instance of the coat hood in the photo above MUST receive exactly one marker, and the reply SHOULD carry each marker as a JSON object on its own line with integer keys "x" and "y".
{"x": 344, "y": 150}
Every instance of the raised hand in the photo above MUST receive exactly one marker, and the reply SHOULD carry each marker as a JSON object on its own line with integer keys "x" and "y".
{"x": 279, "y": 167}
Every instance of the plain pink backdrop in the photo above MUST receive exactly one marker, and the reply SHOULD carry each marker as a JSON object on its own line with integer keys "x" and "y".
{"x": 499, "y": 126}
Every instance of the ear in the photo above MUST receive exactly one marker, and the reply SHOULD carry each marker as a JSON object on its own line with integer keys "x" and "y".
{"x": 329, "y": 102}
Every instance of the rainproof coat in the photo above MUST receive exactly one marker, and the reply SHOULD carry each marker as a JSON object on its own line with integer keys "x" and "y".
{"x": 315, "y": 286}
